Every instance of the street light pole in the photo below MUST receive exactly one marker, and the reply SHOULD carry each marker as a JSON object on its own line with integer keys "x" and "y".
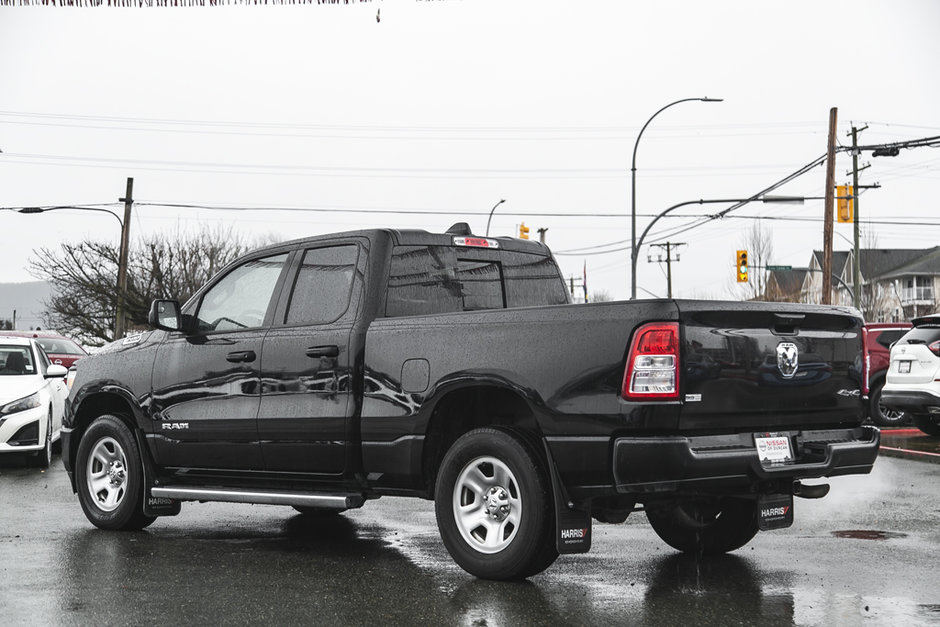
{"x": 122, "y": 254}
{"x": 502, "y": 200}
{"x": 633, "y": 250}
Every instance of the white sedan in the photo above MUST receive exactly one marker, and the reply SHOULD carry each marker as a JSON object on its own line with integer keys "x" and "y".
{"x": 32, "y": 399}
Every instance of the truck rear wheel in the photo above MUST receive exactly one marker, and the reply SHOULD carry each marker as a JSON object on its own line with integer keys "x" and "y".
{"x": 109, "y": 476}
{"x": 708, "y": 527}
{"x": 494, "y": 506}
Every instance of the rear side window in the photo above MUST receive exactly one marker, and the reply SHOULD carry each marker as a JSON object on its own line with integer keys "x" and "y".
{"x": 441, "y": 279}
{"x": 887, "y": 338}
{"x": 323, "y": 285}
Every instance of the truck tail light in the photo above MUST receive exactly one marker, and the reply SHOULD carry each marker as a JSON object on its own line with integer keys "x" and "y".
{"x": 652, "y": 371}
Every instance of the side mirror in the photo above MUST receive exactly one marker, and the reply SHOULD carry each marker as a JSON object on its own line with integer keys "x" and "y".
{"x": 165, "y": 315}
{"x": 55, "y": 370}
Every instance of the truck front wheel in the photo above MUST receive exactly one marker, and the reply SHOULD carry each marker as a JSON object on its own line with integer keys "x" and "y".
{"x": 494, "y": 506}
{"x": 708, "y": 527}
{"x": 109, "y": 476}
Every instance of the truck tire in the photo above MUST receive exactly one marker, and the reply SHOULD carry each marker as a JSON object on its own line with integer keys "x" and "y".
{"x": 705, "y": 527}
{"x": 881, "y": 415}
{"x": 109, "y": 476}
{"x": 928, "y": 424}
{"x": 494, "y": 506}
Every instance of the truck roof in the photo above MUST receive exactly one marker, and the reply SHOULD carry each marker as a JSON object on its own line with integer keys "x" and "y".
{"x": 418, "y": 237}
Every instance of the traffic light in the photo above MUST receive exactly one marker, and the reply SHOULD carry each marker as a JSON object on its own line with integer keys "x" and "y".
{"x": 741, "y": 263}
{"x": 523, "y": 231}
{"x": 846, "y": 194}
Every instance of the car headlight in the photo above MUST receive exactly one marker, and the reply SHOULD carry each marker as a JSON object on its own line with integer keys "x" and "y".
{"x": 70, "y": 377}
{"x": 29, "y": 402}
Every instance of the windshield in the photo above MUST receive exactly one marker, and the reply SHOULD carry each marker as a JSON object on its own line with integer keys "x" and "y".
{"x": 60, "y": 346}
{"x": 16, "y": 360}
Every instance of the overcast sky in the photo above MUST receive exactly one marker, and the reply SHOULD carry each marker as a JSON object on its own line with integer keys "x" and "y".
{"x": 451, "y": 106}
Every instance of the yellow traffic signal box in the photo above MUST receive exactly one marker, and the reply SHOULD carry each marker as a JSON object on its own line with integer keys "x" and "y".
{"x": 741, "y": 262}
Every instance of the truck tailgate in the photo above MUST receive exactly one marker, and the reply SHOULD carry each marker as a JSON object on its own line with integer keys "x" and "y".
{"x": 769, "y": 366}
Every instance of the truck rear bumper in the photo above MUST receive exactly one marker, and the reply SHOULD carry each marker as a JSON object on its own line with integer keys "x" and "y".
{"x": 654, "y": 464}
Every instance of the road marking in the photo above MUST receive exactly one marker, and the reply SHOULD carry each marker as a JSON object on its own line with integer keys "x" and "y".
{"x": 907, "y": 450}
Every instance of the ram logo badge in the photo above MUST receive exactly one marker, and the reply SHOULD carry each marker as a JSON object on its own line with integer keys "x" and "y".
{"x": 788, "y": 359}
{"x": 175, "y": 425}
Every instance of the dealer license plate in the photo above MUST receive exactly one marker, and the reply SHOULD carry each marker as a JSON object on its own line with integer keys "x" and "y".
{"x": 904, "y": 367}
{"x": 773, "y": 447}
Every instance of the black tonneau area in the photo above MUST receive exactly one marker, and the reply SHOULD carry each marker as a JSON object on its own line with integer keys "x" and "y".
{"x": 766, "y": 366}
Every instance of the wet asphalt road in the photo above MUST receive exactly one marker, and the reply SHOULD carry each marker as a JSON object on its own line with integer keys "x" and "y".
{"x": 869, "y": 553}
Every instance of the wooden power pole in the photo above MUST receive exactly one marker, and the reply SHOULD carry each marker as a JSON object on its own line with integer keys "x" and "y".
{"x": 119, "y": 317}
{"x": 830, "y": 199}
{"x": 669, "y": 247}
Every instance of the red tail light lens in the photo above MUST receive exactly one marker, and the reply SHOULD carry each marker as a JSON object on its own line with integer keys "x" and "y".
{"x": 652, "y": 371}
{"x": 935, "y": 348}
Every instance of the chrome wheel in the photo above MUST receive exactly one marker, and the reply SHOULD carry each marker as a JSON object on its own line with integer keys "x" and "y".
{"x": 106, "y": 474}
{"x": 487, "y": 505}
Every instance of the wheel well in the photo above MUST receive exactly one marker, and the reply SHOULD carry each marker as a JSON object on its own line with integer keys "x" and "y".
{"x": 470, "y": 408}
{"x": 97, "y": 405}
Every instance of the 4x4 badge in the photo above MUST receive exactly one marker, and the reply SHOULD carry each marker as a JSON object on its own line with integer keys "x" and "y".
{"x": 788, "y": 359}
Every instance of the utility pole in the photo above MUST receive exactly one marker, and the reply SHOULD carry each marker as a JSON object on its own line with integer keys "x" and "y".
{"x": 857, "y": 266}
{"x": 669, "y": 246}
{"x": 128, "y": 201}
{"x": 827, "y": 216}
{"x": 542, "y": 233}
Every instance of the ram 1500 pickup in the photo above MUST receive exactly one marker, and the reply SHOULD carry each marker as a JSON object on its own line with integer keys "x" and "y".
{"x": 325, "y": 372}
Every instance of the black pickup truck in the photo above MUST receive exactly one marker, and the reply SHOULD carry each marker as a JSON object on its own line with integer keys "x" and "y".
{"x": 325, "y": 372}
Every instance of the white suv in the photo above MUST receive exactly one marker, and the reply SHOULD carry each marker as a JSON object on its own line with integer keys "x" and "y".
{"x": 913, "y": 380}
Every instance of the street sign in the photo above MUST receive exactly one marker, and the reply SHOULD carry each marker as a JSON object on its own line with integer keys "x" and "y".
{"x": 779, "y": 267}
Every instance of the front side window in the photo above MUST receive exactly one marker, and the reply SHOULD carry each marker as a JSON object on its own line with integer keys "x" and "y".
{"x": 240, "y": 300}
{"x": 323, "y": 285}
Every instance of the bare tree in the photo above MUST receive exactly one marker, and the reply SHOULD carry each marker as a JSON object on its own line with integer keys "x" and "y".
{"x": 601, "y": 296}
{"x": 84, "y": 278}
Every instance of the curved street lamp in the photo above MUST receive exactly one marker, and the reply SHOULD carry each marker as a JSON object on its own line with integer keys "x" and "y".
{"x": 501, "y": 201}
{"x": 122, "y": 253}
{"x": 765, "y": 199}
{"x": 633, "y": 185}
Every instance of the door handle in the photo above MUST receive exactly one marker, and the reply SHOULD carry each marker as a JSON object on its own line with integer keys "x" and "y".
{"x": 323, "y": 351}
{"x": 240, "y": 356}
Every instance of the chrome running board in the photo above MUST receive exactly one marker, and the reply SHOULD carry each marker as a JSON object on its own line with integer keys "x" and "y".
{"x": 266, "y": 497}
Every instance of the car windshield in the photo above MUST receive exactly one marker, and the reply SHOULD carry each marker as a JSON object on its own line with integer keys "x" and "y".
{"x": 60, "y": 346}
{"x": 16, "y": 360}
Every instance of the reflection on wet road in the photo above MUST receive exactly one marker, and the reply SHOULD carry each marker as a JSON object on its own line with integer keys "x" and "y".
{"x": 866, "y": 554}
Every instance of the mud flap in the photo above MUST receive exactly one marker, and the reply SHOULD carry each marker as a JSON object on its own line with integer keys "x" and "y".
{"x": 153, "y": 505}
{"x": 572, "y": 525}
{"x": 774, "y": 511}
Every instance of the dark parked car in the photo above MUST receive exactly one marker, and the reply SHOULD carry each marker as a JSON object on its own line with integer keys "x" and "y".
{"x": 878, "y": 338}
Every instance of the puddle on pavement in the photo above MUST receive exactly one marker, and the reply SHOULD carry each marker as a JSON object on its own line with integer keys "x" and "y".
{"x": 868, "y": 534}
